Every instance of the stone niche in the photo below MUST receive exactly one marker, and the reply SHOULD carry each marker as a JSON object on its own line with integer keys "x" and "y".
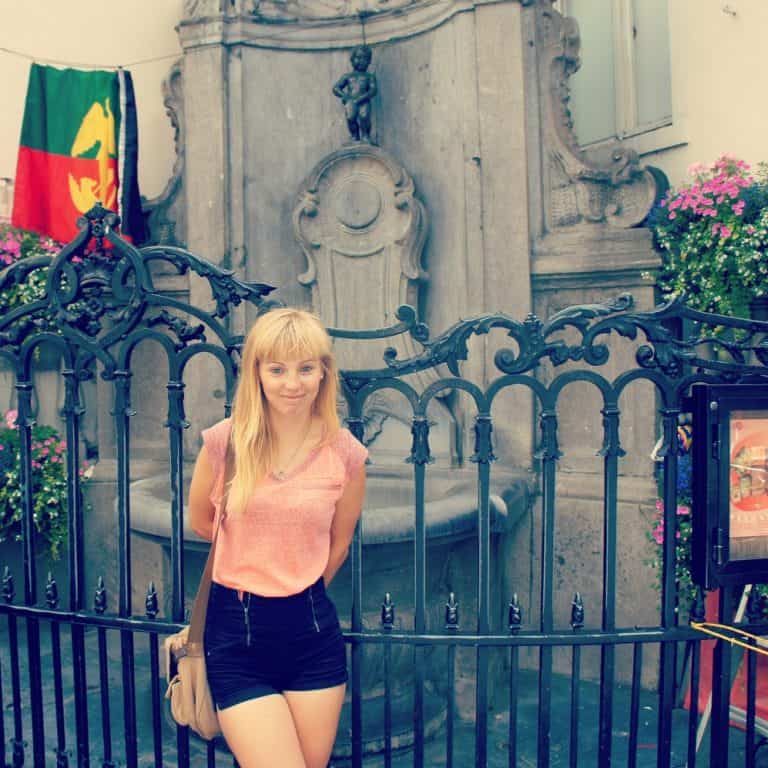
{"x": 259, "y": 115}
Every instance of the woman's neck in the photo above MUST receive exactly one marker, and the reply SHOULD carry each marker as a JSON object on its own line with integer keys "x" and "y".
{"x": 289, "y": 429}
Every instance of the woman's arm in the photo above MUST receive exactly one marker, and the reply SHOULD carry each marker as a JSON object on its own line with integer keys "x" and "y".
{"x": 348, "y": 509}
{"x": 201, "y": 509}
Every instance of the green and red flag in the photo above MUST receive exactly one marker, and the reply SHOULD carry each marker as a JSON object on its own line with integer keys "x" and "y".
{"x": 79, "y": 145}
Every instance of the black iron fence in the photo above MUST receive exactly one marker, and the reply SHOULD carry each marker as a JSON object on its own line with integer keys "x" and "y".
{"x": 82, "y": 683}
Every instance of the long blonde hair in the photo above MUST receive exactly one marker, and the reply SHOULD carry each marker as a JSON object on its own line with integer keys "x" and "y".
{"x": 280, "y": 334}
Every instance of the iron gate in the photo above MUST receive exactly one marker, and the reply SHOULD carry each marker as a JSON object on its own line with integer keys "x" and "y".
{"x": 101, "y": 303}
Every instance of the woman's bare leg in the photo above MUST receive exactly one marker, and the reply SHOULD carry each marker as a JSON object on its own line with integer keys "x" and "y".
{"x": 261, "y": 733}
{"x": 316, "y": 718}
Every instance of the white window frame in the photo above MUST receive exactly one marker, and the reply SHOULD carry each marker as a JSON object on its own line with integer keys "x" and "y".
{"x": 651, "y": 137}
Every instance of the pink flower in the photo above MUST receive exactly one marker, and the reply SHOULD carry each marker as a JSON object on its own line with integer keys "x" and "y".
{"x": 12, "y": 246}
{"x": 672, "y": 215}
{"x": 10, "y": 418}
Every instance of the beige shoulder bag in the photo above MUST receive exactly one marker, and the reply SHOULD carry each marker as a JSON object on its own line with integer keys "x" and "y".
{"x": 188, "y": 691}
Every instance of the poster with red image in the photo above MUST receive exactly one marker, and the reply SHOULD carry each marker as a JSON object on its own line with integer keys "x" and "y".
{"x": 748, "y": 485}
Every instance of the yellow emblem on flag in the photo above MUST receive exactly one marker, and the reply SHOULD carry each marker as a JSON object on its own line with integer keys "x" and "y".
{"x": 98, "y": 127}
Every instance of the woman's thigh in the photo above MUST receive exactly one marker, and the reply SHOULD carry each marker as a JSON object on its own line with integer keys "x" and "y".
{"x": 316, "y": 718}
{"x": 259, "y": 729}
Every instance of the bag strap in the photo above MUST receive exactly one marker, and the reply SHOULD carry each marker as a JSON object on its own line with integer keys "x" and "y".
{"x": 200, "y": 606}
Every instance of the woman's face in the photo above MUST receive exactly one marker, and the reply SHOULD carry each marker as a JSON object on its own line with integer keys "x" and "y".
{"x": 291, "y": 386}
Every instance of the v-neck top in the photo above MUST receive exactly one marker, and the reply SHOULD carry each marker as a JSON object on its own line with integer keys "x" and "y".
{"x": 279, "y": 545}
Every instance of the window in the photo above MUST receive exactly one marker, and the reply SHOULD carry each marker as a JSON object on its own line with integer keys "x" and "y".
{"x": 623, "y": 88}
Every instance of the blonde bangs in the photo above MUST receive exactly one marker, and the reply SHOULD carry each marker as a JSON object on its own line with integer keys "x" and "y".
{"x": 292, "y": 338}
{"x": 279, "y": 335}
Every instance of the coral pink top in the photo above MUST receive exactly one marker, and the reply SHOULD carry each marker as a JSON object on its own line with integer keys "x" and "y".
{"x": 280, "y": 544}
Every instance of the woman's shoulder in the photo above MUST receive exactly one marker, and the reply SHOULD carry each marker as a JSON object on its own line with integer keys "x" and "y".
{"x": 349, "y": 449}
{"x": 342, "y": 438}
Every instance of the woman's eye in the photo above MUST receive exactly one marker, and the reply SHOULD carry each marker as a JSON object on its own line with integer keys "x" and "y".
{"x": 275, "y": 371}
{"x": 307, "y": 368}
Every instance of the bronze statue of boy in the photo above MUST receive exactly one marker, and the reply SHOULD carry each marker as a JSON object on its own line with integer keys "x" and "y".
{"x": 356, "y": 89}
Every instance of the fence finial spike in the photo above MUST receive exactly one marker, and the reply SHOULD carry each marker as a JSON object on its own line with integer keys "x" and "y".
{"x": 387, "y": 612}
{"x": 577, "y": 612}
{"x": 9, "y": 590}
{"x": 150, "y": 602}
{"x": 515, "y": 620}
{"x": 451, "y": 612}
{"x": 51, "y": 592}
{"x": 100, "y": 596}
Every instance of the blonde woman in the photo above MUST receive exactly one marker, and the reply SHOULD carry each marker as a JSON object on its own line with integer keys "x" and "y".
{"x": 274, "y": 651}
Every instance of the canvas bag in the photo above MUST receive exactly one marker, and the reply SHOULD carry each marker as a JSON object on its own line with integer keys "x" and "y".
{"x": 188, "y": 690}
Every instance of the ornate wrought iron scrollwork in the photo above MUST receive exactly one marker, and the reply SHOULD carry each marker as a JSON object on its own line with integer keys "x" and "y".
{"x": 673, "y": 338}
{"x": 100, "y": 289}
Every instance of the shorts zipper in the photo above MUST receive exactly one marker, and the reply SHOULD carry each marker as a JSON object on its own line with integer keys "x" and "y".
{"x": 312, "y": 605}
{"x": 246, "y": 606}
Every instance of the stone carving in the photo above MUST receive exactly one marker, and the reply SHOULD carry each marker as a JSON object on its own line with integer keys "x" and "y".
{"x": 197, "y": 9}
{"x": 317, "y": 25}
{"x": 327, "y": 9}
{"x": 362, "y": 231}
{"x": 165, "y": 213}
{"x": 292, "y": 9}
{"x": 356, "y": 89}
{"x": 606, "y": 186}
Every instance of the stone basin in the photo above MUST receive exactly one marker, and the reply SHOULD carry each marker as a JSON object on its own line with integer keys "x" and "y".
{"x": 388, "y": 513}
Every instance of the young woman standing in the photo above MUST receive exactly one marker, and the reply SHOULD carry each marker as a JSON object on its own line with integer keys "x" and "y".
{"x": 274, "y": 651}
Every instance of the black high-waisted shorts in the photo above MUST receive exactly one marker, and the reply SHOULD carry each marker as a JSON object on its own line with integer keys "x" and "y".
{"x": 256, "y": 646}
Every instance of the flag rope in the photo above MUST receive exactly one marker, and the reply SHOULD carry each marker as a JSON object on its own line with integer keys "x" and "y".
{"x": 80, "y": 65}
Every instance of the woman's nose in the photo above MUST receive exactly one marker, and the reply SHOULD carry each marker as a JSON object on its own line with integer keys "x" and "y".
{"x": 292, "y": 379}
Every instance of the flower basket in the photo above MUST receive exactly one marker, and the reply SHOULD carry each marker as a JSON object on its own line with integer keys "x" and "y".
{"x": 712, "y": 234}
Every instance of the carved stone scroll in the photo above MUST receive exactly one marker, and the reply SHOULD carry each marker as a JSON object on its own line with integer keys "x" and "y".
{"x": 608, "y": 186}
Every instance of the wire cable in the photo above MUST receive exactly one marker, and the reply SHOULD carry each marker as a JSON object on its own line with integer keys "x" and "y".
{"x": 82, "y": 65}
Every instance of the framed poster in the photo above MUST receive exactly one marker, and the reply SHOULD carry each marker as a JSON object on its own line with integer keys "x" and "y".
{"x": 730, "y": 484}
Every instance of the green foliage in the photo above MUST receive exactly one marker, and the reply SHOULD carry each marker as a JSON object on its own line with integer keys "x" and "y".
{"x": 49, "y": 485}
{"x": 17, "y": 244}
{"x": 713, "y": 236}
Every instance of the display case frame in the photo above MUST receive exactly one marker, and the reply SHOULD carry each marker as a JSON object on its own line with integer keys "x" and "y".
{"x": 730, "y": 484}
